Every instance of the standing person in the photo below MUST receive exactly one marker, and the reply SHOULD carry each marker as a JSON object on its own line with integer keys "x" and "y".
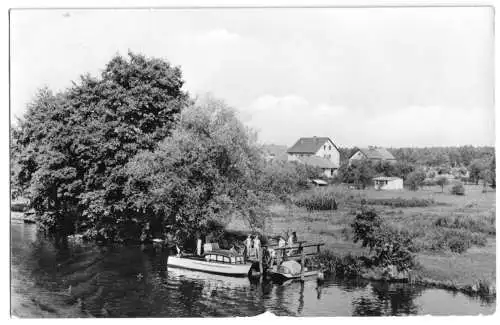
{"x": 256, "y": 242}
{"x": 198, "y": 245}
{"x": 248, "y": 244}
{"x": 292, "y": 240}
{"x": 281, "y": 242}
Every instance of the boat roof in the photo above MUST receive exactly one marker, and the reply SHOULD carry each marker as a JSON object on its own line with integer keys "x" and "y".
{"x": 223, "y": 252}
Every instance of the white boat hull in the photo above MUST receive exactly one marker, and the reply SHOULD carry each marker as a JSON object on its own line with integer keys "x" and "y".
{"x": 210, "y": 267}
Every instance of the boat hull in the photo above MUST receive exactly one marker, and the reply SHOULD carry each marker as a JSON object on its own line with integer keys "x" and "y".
{"x": 236, "y": 270}
{"x": 278, "y": 276}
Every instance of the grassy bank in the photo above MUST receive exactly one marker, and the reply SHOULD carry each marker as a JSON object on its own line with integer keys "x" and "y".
{"x": 455, "y": 235}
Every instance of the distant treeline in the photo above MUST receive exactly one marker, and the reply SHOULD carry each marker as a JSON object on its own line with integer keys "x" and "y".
{"x": 428, "y": 156}
{"x": 434, "y": 156}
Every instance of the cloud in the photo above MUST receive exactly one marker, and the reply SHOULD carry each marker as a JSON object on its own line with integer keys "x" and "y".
{"x": 219, "y": 35}
{"x": 281, "y": 120}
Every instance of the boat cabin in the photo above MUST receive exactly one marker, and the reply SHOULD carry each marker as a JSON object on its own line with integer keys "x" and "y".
{"x": 224, "y": 256}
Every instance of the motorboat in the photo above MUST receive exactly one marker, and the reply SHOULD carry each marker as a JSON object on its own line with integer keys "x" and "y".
{"x": 219, "y": 261}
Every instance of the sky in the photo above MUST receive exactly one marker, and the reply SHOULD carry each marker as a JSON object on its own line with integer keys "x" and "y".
{"x": 393, "y": 77}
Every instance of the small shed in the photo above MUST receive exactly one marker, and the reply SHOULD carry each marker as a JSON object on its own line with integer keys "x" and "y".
{"x": 388, "y": 183}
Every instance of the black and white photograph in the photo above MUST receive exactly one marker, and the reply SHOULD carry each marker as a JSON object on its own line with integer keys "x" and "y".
{"x": 173, "y": 162}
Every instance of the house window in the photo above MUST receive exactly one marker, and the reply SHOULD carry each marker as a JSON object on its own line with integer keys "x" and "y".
{"x": 329, "y": 147}
{"x": 324, "y": 147}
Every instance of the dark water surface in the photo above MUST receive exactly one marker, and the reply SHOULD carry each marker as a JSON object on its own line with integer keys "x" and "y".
{"x": 90, "y": 280}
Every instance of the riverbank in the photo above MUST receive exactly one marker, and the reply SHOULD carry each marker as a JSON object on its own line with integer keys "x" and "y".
{"x": 455, "y": 235}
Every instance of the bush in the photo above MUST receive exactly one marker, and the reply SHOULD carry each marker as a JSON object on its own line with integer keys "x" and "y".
{"x": 458, "y": 189}
{"x": 391, "y": 246}
{"x": 482, "y": 224}
{"x": 456, "y": 240}
{"x": 347, "y": 265}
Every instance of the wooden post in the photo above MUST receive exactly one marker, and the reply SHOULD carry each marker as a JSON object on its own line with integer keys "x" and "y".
{"x": 302, "y": 260}
{"x": 261, "y": 268}
{"x": 278, "y": 257}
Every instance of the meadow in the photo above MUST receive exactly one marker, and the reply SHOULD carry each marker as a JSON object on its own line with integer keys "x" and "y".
{"x": 454, "y": 235}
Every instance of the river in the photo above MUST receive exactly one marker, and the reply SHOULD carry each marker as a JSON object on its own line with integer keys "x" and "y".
{"x": 128, "y": 281}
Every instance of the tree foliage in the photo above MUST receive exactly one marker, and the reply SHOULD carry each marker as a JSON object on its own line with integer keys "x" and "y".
{"x": 442, "y": 181}
{"x": 390, "y": 246}
{"x": 415, "y": 180}
{"x": 476, "y": 167}
{"x": 73, "y": 145}
{"x": 207, "y": 171}
{"x": 360, "y": 173}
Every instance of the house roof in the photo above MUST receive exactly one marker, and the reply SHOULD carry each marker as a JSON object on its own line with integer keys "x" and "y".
{"x": 317, "y": 161}
{"x": 309, "y": 145}
{"x": 377, "y": 153}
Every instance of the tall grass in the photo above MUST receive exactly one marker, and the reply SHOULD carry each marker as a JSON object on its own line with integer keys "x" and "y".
{"x": 399, "y": 202}
{"x": 320, "y": 199}
{"x": 482, "y": 224}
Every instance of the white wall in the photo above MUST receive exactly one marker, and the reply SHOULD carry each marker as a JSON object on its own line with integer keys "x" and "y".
{"x": 329, "y": 151}
{"x": 396, "y": 184}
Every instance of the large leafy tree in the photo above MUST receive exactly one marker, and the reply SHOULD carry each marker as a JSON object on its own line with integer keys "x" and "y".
{"x": 207, "y": 171}
{"x": 476, "y": 167}
{"x": 73, "y": 145}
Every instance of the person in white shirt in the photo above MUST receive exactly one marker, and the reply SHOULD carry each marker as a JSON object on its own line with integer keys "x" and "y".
{"x": 248, "y": 244}
{"x": 292, "y": 240}
{"x": 256, "y": 243}
{"x": 281, "y": 242}
{"x": 198, "y": 246}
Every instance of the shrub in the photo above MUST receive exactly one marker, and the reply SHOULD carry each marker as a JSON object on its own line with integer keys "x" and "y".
{"x": 458, "y": 189}
{"x": 482, "y": 224}
{"x": 347, "y": 265}
{"x": 365, "y": 227}
{"x": 391, "y": 246}
{"x": 456, "y": 240}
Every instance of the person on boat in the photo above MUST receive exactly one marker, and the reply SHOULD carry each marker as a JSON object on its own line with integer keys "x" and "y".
{"x": 292, "y": 241}
{"x": 233, "y": 249}
{"x": 248, "y": 245}
{"x": 252, "y": 251}
{"x": 256, "y": 242}
{"x": 281, "y": 242}
{"x": 198, "y": 244}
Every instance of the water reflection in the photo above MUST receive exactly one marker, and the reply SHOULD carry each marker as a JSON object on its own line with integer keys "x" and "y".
{"x": 384, "y": 299}
{"x": 116, "y": 281}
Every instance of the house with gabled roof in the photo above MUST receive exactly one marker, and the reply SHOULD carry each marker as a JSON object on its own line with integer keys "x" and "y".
{"x": 373, "y": 154}
{"x": 318, "y": 152}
